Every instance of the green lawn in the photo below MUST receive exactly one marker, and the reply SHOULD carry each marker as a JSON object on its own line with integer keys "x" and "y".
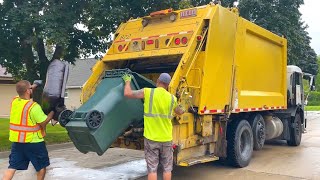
{"x": 312, "y": 108}
{"x": 55, "y": 134}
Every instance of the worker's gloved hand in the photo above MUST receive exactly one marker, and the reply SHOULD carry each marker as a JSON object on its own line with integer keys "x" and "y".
{"x": 37, "y": 82}
{"x": 126, "y": 77}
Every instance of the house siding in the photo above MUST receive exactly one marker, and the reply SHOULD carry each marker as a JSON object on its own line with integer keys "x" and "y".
{"x": 7, "y": 93}
{"x": 72, "y": 102}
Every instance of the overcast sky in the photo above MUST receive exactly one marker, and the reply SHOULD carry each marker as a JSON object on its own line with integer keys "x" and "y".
{"x": 311, "y": 16}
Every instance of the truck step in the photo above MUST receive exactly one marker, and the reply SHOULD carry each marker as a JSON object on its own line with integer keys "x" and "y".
{"x": 198, "y": 160}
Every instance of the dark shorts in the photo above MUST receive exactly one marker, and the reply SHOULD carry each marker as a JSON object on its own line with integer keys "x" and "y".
{"x": 23, "y": 153}
{"x": 158, "y": 153}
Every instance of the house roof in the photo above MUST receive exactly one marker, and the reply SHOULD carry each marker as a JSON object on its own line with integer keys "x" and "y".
{"x": 3, "y": 73}
{"x": 5, "y": 78}
{"x": 80, "y": 72}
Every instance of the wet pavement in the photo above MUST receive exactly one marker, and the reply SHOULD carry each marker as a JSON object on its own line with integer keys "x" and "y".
{"x": 275, "y": 161}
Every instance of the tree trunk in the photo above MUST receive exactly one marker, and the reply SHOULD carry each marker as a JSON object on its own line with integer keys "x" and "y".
{"x": 43, "y": 60}
{"x": 28, "y": 59}
{"x": 57, "y": 53}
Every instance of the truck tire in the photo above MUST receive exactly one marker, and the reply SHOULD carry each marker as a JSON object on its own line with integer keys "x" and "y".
{"x": 258, "y": 130}
{"x": 295, "y": 132}
{"x": 240, "y": 143}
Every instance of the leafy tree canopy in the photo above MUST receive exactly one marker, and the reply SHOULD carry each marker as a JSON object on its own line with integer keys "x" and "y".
{"x": 34, "y": 32}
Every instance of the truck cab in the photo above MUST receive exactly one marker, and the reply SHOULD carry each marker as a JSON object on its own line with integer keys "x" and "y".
{"x": 295, "y": 86}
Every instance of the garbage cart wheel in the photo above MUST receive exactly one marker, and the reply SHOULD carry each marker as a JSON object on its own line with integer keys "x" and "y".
{"x": 94, "y": 119}
{"x": 64, "y": 117}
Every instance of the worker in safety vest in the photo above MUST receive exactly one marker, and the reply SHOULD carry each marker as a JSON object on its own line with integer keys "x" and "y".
{"x": 27, "y": 124}
{"x": 159, "y": 106}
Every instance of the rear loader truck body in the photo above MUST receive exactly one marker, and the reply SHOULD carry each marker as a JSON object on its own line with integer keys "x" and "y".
{"x": 228, "y": 73}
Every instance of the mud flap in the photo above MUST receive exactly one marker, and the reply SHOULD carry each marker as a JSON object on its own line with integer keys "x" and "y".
{"x": 221, "y": 144}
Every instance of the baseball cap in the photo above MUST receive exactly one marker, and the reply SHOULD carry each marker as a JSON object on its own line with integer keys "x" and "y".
{"x": 165, "y": 78}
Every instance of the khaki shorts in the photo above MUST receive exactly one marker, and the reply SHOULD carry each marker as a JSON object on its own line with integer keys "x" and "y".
{"x": 158, "y": 152}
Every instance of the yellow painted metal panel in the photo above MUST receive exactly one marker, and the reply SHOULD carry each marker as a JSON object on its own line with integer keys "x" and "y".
{"x": 90, "y": 86}
{"x": 260, "y": 67}
{"x": 217, "y": 69}
{"x": 143, "y": 54}
{"x": 163, "y": 25}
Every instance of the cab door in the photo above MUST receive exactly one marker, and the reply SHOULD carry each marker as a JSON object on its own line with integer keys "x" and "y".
{"x": 297, "y": 88}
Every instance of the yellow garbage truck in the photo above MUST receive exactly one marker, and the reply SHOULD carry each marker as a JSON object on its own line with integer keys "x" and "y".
{"x": 229, "y": 74}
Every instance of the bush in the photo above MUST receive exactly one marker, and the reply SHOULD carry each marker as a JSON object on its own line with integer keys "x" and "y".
{"x": 314, "y": 98}
{"x": 312, "y": 108}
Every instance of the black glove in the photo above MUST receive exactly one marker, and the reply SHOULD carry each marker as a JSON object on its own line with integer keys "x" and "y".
{"x": 37, "y": 82}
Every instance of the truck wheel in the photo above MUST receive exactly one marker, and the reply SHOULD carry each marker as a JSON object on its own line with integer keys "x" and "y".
{"x": 240, "y": 143}
{"x": 295, "y": 132}
{"x": 258, "y": 130}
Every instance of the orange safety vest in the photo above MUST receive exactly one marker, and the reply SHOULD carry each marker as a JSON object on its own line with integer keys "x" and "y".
{"x": 22, "y": 128}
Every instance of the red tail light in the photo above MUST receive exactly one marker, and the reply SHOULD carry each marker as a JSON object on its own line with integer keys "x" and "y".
{"x": 177, "y": 41}
{"x": 174, "y": 146}
{"x": 150, "y": 42}
{"x": 199, "y": 37}
{"x": 184, "y": 40}
{"x": 120, "y": 47}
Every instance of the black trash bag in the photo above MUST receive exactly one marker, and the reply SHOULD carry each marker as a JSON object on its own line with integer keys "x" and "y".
{"x": 54, "y": 88}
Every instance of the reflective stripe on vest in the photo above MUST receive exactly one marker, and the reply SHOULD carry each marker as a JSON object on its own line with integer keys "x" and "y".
{"x": 149, "y": 114}
{"x": 14, "y": 127}
{"x": 24, "y": 115}
{"x": 23, "y": 127}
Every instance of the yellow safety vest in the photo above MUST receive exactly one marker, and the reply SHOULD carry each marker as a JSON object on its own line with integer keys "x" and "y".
{"x": 158, "y": 110}
{"x": 22, "y": 128}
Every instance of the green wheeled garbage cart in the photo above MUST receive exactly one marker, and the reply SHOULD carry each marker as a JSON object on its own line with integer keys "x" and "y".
{"x": 107, "y": 114}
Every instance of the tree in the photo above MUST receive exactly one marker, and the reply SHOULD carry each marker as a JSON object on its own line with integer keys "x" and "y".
{"x": 34, "y": 32}
{"x": 29, "y": 29}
